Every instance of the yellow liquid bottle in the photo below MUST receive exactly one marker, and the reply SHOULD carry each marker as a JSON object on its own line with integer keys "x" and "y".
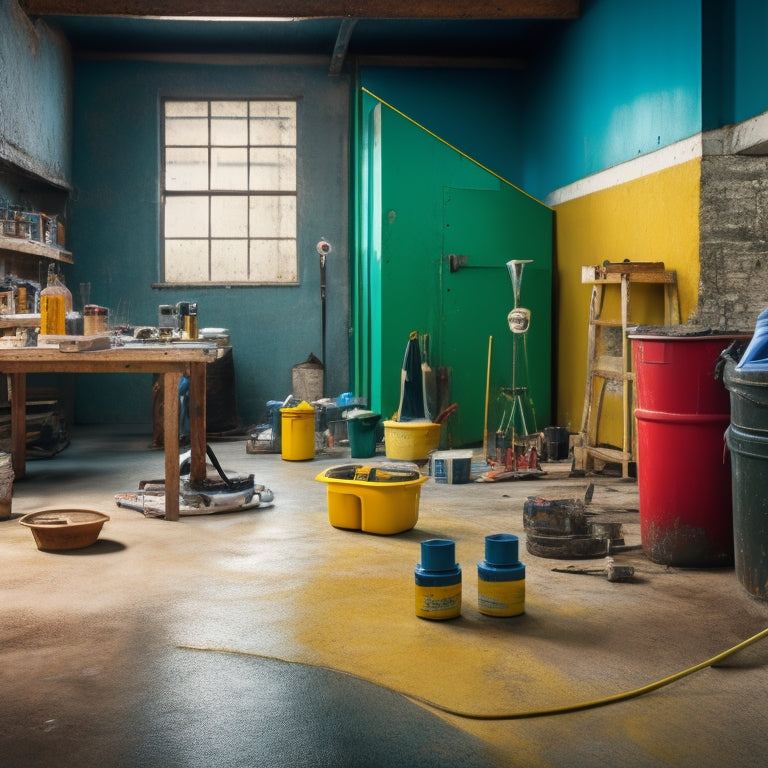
{"x": 53, "y": 313}
{"x": 53, "y": 306}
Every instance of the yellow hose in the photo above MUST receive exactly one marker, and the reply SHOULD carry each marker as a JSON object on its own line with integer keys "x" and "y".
{"x": 525, "y": 714}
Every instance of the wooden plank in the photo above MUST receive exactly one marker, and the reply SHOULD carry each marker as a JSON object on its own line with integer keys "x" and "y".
{"x": 595, "y": 306}
{"x": 29, "y": 320}
{"x": 596, "y": 275}
{"x": 628, "y": 267}
{"x": 197, "y": 437}
{"x": 19, "y": 424}
{"x": 609, "y": 454}
{"x": 171, "y": 443}
{"x": 149, "y": 358}
{"x": 33, "y": 248}
{"x": 626, "y": 390}
{"x": 85, "y": 343}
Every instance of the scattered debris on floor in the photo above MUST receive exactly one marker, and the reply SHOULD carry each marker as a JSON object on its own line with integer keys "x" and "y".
{"x": 565, "y": 529}
{"x": 610, "y": 571}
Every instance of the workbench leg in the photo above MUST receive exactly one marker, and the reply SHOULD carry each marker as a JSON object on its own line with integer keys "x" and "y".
{"x": 197, "y": 424}
{"x": 171, "y": 443}
{"x": 19, "y": 424}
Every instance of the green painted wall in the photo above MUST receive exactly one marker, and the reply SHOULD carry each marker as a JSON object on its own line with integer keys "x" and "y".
{"x": 421, "y": 200}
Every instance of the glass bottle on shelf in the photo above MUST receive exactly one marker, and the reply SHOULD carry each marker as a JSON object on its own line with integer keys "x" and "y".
{"x": 53, "y": 305}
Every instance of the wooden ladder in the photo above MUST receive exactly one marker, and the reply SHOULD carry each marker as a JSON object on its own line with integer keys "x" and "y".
{"x": 610, "y": 360}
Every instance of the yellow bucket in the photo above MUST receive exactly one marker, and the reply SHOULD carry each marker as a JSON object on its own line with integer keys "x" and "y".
{"x": 298, "y": 432}
{"x": 385, "y": 506}
{"x": 410, "y": 440}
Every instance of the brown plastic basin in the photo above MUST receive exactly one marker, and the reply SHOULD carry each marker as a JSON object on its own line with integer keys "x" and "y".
{"x": 55, "y": 529}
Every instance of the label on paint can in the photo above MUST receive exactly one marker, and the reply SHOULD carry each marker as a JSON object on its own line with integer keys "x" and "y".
{"x": 438, "y": 602}
{"x": 501, "y": 598}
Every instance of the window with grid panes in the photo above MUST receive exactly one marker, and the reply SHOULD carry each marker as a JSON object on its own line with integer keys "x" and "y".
{"x": 229, "y": 192}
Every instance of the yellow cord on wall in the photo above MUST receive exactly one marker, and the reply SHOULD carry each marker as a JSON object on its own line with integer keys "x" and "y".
{"x": 562, "y": 710}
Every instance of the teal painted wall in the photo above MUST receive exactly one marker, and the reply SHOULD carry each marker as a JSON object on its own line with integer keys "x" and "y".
{"x": 475, "y": 110}
{"x": 114, "y": 230}
{"x": 749, "y": 42}
{"x": 35, "y": 96}
{"x": 622, "y": 81}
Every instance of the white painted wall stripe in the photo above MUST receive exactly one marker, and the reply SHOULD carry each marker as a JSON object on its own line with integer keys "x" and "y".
{"x": 667, "y": 157}
{"x": 748, "y": 137}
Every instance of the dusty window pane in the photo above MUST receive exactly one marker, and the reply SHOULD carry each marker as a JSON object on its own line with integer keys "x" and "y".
{"x": 229, "y": 260}
{"x": 273, "y": 123}
{"x": 186, "y": 261}
{"x": 273, "y": 216}
{"x": 186, "y": 169}
{"x": 273, "y": 169}
{"x": 186, "y": 133}
{"x": 186, "y": 108}
{"x": 229, "y": 216}
{"x": 186, "y": 217}
{"x": 229, "y": 109}
{"x": 273, "y": 261}
{"x": 229, "y": 168}
{"x": 229, "y": 132}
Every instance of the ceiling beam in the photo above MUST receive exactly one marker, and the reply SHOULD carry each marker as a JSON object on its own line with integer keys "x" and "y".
{"x": 358, "y": 9}
{"x": 342, "y": 43}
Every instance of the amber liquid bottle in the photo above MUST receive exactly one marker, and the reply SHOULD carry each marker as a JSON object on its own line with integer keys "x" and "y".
{"x": 53, "y": 306}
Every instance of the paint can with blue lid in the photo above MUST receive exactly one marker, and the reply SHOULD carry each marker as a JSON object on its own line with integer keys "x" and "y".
{"x": 501, "y": 577}
{"x": 438, "y": 581}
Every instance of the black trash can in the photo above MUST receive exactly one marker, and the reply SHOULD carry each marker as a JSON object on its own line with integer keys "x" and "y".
{"x": 747, "y": 438}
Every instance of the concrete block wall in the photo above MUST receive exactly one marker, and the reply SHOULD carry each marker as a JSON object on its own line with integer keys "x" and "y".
{"x": 733, "y": 246}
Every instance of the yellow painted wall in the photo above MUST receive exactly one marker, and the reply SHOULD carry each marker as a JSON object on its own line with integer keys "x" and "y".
{"x": 653, "y": 218}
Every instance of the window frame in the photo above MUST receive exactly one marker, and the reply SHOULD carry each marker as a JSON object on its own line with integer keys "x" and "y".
{"x": 211, "y": 193}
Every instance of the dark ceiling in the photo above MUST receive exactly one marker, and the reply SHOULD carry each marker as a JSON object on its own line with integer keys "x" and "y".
{"x": 505, "y": 33}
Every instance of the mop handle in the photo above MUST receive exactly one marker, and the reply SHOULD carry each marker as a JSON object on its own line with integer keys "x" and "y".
{"x": 487, "y": 390}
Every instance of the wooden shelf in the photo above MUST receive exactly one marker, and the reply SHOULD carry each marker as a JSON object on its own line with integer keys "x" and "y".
{"x": 27, "y": 320}
{"x": 26, "y": 247}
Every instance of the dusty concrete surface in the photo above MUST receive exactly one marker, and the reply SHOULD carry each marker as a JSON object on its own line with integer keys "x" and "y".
{"x": 271, "y": 638}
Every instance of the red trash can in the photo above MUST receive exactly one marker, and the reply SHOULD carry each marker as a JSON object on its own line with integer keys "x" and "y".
{"x": 683, "y": 474}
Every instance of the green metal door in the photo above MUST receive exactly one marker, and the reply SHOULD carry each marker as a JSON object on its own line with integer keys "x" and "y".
{"x": 482, "y": 231}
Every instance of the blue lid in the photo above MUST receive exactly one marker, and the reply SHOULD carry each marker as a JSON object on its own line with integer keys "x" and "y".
{"x": 438, "y": 555}
{"x": 755, "y": 357}
{"x": 501, "y": 549}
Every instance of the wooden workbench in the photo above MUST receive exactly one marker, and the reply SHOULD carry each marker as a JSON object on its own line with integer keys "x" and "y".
{"x": 169, "y": 360}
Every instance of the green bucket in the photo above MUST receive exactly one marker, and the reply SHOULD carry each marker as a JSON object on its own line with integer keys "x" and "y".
{"x": 362, "y": 434}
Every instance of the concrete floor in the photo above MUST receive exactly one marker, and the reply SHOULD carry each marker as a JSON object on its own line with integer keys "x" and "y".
{"x": 270, "y": 638}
